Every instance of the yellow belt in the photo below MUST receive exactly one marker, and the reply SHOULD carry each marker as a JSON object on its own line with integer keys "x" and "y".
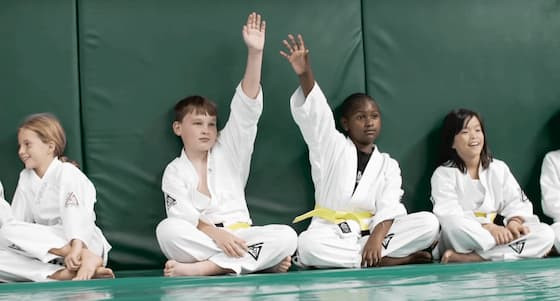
{"x": 490, "y": 215}
{"x": 235, "y": 226}
{"x": 336, "y": 217}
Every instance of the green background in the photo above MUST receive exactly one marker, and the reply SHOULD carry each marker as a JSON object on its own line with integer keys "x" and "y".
{"x": 112, "y": 70}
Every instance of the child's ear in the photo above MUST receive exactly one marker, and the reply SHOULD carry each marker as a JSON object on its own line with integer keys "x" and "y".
{"x": 52, "y": 147}
{"x": 176, "y": 128}
{"x": 344, "y": 123}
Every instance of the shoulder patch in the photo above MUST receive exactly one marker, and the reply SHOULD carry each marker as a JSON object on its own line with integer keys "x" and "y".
{"x": 71, "y": 200}
{"x": 169, "y": 201}
{"x": 524, "y": 197}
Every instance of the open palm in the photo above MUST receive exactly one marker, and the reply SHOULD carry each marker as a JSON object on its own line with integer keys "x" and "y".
{"x": 298, "y": 54}
{"x": 254, "y": 32}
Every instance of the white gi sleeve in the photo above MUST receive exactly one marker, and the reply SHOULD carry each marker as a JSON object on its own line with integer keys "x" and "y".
{"x": 315, "y": 119}
{"x": 20, "y": 207}
{"x": 178, "y": 196}
{"x": 388, "y": 205}
{"x": 77, "y": 198}
{"x": 240, "y": 131}
{"x": 515, "y": 202}
{"x": 550, "y": 185}
{"x": 444, "y": 194}
{"x": 5, "y": 209}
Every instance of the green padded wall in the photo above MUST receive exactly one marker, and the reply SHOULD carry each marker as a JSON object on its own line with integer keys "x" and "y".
{"x": 137, "y": 58}
{"x": 38, "y": 73}
{"x": 501, "y": 58}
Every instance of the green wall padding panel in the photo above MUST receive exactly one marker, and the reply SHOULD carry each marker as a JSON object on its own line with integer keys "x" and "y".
{"x": 38, "y": 73}
{"x": 137, "y": 58}
{"x": 501, "y": 58}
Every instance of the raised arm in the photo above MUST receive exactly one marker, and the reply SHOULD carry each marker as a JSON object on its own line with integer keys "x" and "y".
{"x": 299, "y": 59}
{"x": 253, "y": 35}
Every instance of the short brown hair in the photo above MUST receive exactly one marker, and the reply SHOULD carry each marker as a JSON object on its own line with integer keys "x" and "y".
{"x": 195, "y": 103}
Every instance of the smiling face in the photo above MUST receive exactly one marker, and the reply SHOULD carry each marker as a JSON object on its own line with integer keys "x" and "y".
{"x": 469, "y": 142}
{"x": 33, "y": 152}
{"x": 198, "y": 131}
{"x": 362, "y": 123}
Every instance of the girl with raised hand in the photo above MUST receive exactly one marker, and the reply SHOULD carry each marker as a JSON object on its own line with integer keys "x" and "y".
{"x": 358, "y": 219}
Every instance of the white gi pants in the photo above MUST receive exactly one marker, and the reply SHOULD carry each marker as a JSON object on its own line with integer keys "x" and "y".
{"x": 324, "y": 245}
{"x": 556, "y": 228}
{"x": 465, "y": 235}
{"x": 17, "y": 267}
{"x": 268, "y": 245}
{"x": 35, "y": 240}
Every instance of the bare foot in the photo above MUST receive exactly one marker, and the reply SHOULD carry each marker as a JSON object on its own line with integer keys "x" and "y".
{"x": 282, "y": 267}
{"x": 103, "y": 272}
{"x": 452, "y": 256}
{"x": 63, "y": 274}
{"x": 201, "y": 268}
{"x": 90, "y": 263}
{"x": 418, "y": 257}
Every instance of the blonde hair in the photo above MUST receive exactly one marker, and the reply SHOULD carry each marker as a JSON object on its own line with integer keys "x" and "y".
{"x": 49, "y": 129}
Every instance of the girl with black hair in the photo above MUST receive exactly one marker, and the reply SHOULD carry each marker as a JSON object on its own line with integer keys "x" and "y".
{"x": 469, "y": 188}
{"x": 358, "y": 219}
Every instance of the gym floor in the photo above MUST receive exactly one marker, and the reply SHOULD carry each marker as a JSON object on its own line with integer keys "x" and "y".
{"x": 536, "y": 279}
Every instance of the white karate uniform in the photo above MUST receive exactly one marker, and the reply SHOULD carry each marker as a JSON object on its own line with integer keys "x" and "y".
{"x": 5, "y": 209}
{"x": 333, "y": 159}
{"x": 462, "y": 210}
{"x": 550, "y": 188}
{"x": 227, "y": 172}
{"x": 17, "y": 267}
{"x": 51, "y": 211}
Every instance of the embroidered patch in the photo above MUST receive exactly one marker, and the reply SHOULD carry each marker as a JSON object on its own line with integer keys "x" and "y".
{"x": 524, "y": 197}
{"x": 71, "y": 200}
{"x": 255, "y": 250}
{"x": 170, "y": 202}
{"x": 15, "y": 247}
{"x": 387, "y": 240}
{"x": 344, "y": 227}
{"x": 518, "y": 246}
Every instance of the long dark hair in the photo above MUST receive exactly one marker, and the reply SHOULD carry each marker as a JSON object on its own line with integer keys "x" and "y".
{"x": 454, "y": 123}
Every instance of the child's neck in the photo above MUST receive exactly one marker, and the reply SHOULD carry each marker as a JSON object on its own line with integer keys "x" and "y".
{"x": 364, "y": 148}
{"x": 473, "y": 165}
{"x": 196, "y": 156}
{"x": 42, "y": 169}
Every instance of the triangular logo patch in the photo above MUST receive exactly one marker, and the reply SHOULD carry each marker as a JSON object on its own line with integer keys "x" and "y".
{"x": 255, "y": 250}
{"x": 518, "y": 246}
{"x": 387, "y": 240}
{"x": 169, "y": 201}
{"x": 71, "y": 200}
{"x": 15, "y": 247}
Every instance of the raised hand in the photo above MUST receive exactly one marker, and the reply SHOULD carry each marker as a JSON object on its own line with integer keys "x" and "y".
{"x": 254, "y": 32}
{"x": 297, "y": 54}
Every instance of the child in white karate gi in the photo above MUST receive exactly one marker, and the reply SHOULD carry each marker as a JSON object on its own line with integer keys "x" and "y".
{"x": 469, "y": 188}
{"x": 208, "y": 230}
{"x": 358, "y": 220}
